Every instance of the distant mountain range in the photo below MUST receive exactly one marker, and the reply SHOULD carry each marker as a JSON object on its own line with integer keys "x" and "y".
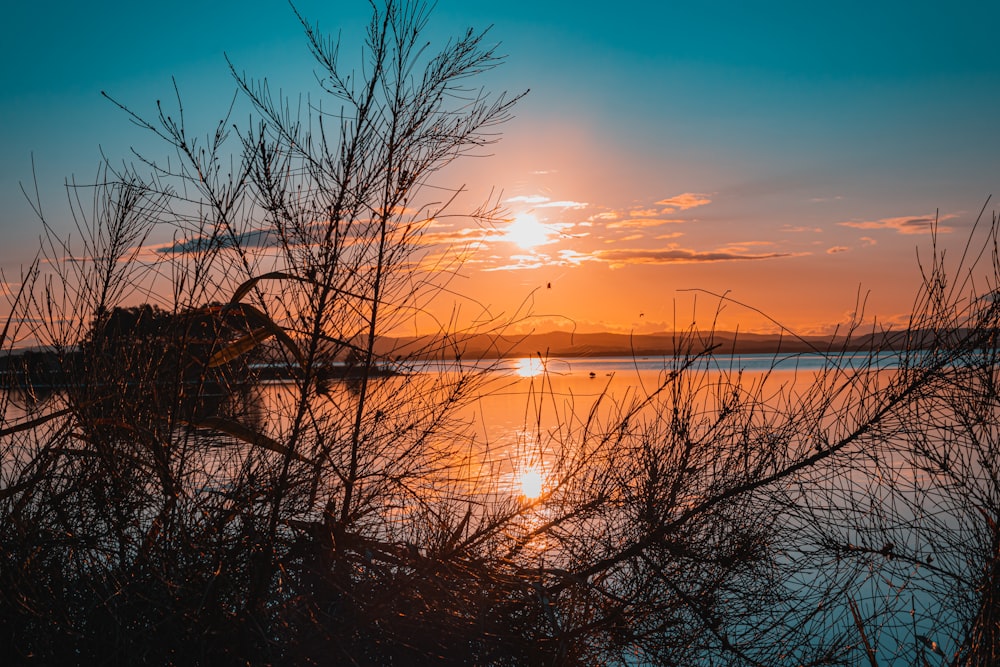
{"x": 565, "y": 344}
{"x": 45, "y": 368}
{"x": 561, "y": 344}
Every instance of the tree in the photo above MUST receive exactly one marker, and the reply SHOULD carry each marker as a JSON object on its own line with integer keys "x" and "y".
{"x": 713, "y": 520}
{"x": 198, "y": 532}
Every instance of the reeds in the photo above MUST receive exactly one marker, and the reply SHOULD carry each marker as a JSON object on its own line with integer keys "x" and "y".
{"x": 167, "y": 504}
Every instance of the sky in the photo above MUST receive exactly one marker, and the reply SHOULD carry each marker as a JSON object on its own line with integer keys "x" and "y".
{"x": 789, "y": 155}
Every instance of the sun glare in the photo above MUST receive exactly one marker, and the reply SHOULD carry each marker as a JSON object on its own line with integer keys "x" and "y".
{"x": 529, "y": 367}
{"x": 526, "y": 231}
{"x": 532, "y": 480}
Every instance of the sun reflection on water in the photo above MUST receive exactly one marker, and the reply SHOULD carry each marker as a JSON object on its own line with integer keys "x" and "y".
{"x": 531, "y": 480}
{"x": 529, "y": 367}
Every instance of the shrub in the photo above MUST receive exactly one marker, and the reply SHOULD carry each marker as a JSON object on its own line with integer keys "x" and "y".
{"x": 169, "y": 505}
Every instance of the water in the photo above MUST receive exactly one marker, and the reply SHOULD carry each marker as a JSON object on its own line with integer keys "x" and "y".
{"x": 528, "y": 408}
{"x": 530, "y": 394}
{"x": 534, "y": 409}
{"x": 524, "y": 402}
{"x": 532, "y": 366}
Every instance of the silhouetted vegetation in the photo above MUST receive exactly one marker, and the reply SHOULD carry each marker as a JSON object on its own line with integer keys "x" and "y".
{"x": 170, "y": 505}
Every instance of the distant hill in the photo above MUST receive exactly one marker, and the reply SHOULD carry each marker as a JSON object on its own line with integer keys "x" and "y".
{"x": 564, "y": 344}
{"x": 561, "y": 344}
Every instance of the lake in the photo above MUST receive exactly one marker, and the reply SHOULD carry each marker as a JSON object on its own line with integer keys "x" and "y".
{"x": 530, "y": 394}
{"x": 529, "y": 389}
{"x": 526, "y": 408}
{"x": 522, "y": 406}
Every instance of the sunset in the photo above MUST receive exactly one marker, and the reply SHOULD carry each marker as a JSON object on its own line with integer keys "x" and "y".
{"x": 793, "y": 158}
{"x": 397, "y": 332}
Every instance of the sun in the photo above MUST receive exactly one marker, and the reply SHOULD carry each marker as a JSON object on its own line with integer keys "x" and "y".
{"x": 532, "y": 479}
{"x": 526, "y": 231}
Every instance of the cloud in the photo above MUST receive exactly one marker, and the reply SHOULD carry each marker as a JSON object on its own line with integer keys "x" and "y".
{"x": 607, "y": 215}
{"x": 537, "y": 260}
{"x": 462, "y": 236}
{"x": 644, "y": 212}
{"x": 676, "y": 255}
{"x": 573, "y": 258}
{"x": 747, "y": 244}
{"x": 541, "y": 201}
{"x": 269, "y": 238}
{"x": 685, "y": 201}
{"x": 744, "y": 248}
{"x": 867, "y": 241}
{"x": 448, "y": 261}
{"x": 523, "y": 262}
{"x": 836, "y": 249}
{"x": 638, "y": 223}
{"x": 800, "y": 229}
{"x": 907, "y": 224}
{"x": 564, "y": 203}
{"x": 526, "y": 199}
{"x": 257, "y": 238}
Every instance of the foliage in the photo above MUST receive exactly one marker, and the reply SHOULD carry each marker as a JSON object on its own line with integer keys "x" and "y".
{"x": 170, "y": 506}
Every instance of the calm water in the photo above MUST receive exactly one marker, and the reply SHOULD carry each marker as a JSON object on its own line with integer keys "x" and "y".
{"x": 535, "y": 396}
{"x": 601, "y": 365}
{"x": 524, "y": 390}
{"x": 526, "y": 405}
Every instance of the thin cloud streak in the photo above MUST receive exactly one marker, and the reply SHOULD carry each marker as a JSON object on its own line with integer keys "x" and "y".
{"x": 524, "y": 263}
{"x": 907, "y": 224}
{"x": 541, "y": 201}
{"x": 639, "y": 223}
{"x": 537, "y": 260}
{"x": 674, "y": 255}
{"x": 462, "y": 236}
{"x": 260, "y": 238}
{"x": 645, "y": 213}
{"x": 685, "y": 201}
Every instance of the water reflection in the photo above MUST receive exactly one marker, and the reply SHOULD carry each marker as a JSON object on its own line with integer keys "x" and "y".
{"x": 529, "y": 367}
{"x": 513, "y": 422}
{"x": 531, "y": 481}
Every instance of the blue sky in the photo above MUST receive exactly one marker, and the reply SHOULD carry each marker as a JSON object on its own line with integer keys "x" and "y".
{"x": 818, "y": 136}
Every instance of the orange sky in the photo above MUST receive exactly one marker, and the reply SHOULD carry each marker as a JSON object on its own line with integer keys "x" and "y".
{"x": 580, "y": 250}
